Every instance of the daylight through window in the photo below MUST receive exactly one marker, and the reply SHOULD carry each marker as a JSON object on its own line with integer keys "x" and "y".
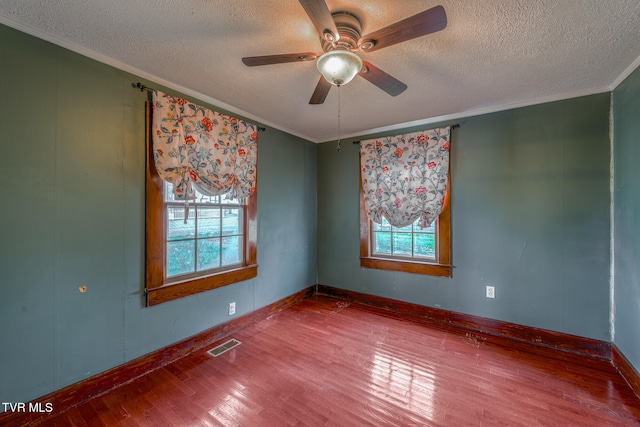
{"x": 210, "y": 239}
{"x": 410, "y": 241}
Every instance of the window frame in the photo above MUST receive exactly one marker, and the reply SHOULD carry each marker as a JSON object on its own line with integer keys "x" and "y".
{"x": 195, "y": 210}
{"x": 440, "y": 267}
{"x": 157, "y": 289}
{"x": 400, "y": 230}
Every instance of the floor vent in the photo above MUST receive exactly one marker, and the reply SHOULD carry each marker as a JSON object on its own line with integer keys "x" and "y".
{"x": 224, "y": 347}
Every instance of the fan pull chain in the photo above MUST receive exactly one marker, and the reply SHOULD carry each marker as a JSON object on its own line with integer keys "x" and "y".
{"x": 338, "y": 148}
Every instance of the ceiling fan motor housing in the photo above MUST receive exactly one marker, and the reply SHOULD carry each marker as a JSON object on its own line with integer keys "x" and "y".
{"x": 349, "y": 28}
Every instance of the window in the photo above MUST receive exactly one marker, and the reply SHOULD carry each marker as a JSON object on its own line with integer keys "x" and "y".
{"x": 408, "y": 249}
{"x": 404, "y": 242}
{"x": 215, "y": 247}
{"x": 210, "y": 239}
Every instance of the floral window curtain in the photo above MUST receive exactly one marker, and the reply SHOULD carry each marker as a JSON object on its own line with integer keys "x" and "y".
{"x": 404, "y": 177}
{"x": 196, "y": 148}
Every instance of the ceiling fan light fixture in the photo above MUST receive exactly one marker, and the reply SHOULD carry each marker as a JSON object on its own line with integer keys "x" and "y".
{"x": 339, "y": 67}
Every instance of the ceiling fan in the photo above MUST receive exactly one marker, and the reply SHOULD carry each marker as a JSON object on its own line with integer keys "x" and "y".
{"x": 340, "y": 36}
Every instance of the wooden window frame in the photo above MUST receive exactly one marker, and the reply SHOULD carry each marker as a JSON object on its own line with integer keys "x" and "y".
{"x": 157, "y": 290}
{"x": 440, "y": 267}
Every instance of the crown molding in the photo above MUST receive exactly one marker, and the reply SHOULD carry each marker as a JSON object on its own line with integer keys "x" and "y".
{"x": 481, "y": 111}
{"x": 626, "y": 73}
{"x": 77, "y": 48}
{"x": 81, "y": 50}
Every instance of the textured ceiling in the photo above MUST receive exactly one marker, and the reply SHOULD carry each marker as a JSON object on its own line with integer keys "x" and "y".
{"x": 494, "y": 54}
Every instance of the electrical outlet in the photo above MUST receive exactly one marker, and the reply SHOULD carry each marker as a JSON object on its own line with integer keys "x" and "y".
{"x": 491, "y": 292}
{"x": 232, "y": 308}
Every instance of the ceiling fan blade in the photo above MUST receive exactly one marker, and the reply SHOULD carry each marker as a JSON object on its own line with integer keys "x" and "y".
{"x": 253, "y": 61}
{"x": 321, "y": 91}
{"x": 421, "y": 24}
{"x": 384, "y": 81}
{"x": 321, "y": 18}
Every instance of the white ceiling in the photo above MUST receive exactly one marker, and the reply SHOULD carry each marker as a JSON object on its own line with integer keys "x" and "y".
{"x": 494, "y": 54}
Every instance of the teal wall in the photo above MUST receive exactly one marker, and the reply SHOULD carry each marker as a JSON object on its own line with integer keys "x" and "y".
{"x": 530, "y": 216}
{"x": 72, "y": 192}
{"x": 626, "y": 107}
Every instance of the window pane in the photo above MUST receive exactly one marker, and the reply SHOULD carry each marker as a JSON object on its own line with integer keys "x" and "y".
{"x": 406, "y": 229}
{"x": 208, "y": 254}
{"x": 180, "y": 257}
{"x": 402, "y": 244}
{"x": 201, "y": 198}
{"x": 168, "y": 192}
{"x": 429, "y": 229}
{"x": 208, "y": 222}
{"x": 231, "y": 250}
{"x": 176, "y": 228}
{"x": 231, "y": 221}
{"x": 227, "y": 201}
{"x": 425, "y": 245}
{"x": 382, "y": 242}
{"x": 385, "y": 226}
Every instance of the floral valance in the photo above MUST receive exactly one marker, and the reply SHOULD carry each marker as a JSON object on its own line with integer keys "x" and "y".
{"x": 196, "y": 148}
{"x": 404, "y": 177}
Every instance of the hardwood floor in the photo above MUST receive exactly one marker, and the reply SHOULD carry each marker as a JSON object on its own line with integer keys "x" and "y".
{"x": 329, "y": 362}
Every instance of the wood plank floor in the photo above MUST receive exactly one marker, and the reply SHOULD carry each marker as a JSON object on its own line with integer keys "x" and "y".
{"x": 328, "y": 362}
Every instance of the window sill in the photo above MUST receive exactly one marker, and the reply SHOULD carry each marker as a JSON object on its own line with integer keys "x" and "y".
{"x": 185, "y": 288}
{"x": 430, "y": 269}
